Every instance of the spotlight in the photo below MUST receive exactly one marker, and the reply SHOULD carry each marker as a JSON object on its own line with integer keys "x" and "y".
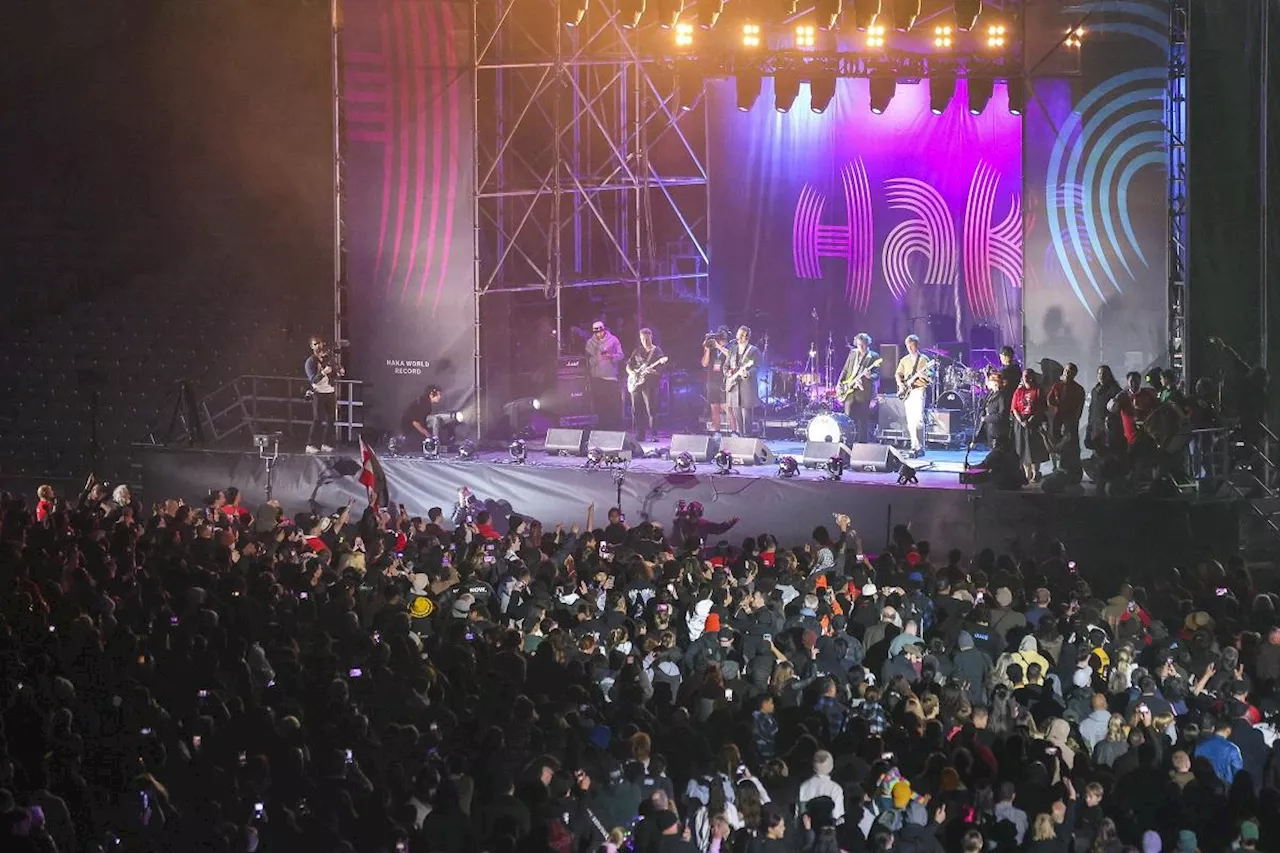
{"x": 806, "y": 36}
{"x": 458, "y": 417}
{"x": 749, "y": 84}
{"x": 882, "y": 92}
{"x": 595, "y": 457}
{"x": 788, "y": 467}
{"x": 996, "y": 36}
{"x": 517, "y": 451}
{"x": 828, "y": 13}
{"x": 942, "y": 37}
{"x": 684, "y": 35}
{"x": 980, "y": 89}
{"x": 865, "y": 13}
{"x": 724, "y": 462}
{"x": 875, "y": 37}
{"x": 1017, "y": 90}
{"x": 574, "y": 11}
{"x": 941, "y": 90}
{"x": 467, "y": 450}
{"x": 822, "y": 89}
{"x": 834, "y": 467}
{"x": 514, "y": 411}
{"x": 630, "y": 12}
{"x": 688, "y": 88}
{"x": 905, "y": 13}
{"x": 907, "y": 476}
{"x": 786, "y": 88}
{"x": 967, "y": 12}
{"x": 751, "y": 35}
{"x": 669, "y": 12}
{"x": 709, "y": 12}
{"x": 684, "y": 463}
{"x": 1074, "y": 37}
{"x": 396, "y": 445}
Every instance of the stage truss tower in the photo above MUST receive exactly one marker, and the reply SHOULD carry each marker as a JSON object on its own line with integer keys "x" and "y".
{"x": 1176, "y": 143}
{"x": 590, "y": 171}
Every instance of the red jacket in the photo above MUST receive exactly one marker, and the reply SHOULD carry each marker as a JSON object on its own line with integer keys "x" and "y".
{"x": 1134, "y": 409}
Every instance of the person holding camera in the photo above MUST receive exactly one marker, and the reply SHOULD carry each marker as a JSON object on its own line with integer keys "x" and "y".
{"x": 715, "y": 351}
{"x": 323, "y": 371}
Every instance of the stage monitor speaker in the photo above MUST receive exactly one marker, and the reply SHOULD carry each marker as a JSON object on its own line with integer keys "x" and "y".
{"x": 873, "y": 457}
{"x": 817, "y": 453}
{"x": 614, "y": 441}
{"x": 701, "y": 447}
{"x": 747, "y": 451}
{"x": 889, "y": 354}
{"x": 566, "y": 442}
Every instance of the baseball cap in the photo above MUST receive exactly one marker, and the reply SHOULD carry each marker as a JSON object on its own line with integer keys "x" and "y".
{"x": 1249, "y": 830}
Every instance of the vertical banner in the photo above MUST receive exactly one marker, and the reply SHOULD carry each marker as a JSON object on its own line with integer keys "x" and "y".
{"x": 408, "y": 203}
{"x": 903, "y": 221}
{"x": 1097, "y": 190}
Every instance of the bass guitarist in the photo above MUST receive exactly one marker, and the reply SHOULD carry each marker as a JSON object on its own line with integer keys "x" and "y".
{"x": 742, "y": 392}
{"x": 913, "y": 376}
{"x": 642, "y": 381}
{"x": 857, "y": 385}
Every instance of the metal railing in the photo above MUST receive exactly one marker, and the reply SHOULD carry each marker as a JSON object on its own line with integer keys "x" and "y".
{"x": 260, "y": 404}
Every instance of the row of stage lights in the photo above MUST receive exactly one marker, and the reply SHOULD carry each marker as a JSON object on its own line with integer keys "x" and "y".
{"x": 864, "y": 13}
{"x": 875, "y": 38}
{"x": 822, "y": 90}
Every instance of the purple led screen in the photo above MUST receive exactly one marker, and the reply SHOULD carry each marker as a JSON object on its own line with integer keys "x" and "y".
{"x": 890, "y": 224}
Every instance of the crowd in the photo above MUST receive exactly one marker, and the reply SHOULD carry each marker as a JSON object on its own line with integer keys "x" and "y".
{"x": 223, "y": 678}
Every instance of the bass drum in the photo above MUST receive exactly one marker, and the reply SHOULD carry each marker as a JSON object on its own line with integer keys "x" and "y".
{"x": 830, "y": 427}
{"x": 955, "y": 401}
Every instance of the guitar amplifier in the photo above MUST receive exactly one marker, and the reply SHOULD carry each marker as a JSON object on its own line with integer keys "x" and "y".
{"x": 891, "y": 418}
{"x": 889, "y": 354}
{"x": 572, "y": 367}
{"x": 946, "y": 427}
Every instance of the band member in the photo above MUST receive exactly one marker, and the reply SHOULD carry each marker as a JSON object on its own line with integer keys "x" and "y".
{"x": 423, "y": 420}
{"x": 1011, "y": 372}
{"x": 1029, "y": 425}
{"x": 1066, "y": 405}
{"x": 995, "y": 417}
{"x": 604, "y": 354}
{"x": 322, "y": 371}
{"x": 742, "y": 393}
{"x": 1104, "y": 431}
{"x": 912, "y": 376}
{"x": 1133, "y": 404}
{"x": 642, "y": 368}
{"x": 715, "y": 351}
{"x": 859, "y": 379}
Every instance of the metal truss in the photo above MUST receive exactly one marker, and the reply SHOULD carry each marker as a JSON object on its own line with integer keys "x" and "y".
{"x": 905, "y": 67}
{"x": 1176, "y": 143}
{"x": 588, "y": 172}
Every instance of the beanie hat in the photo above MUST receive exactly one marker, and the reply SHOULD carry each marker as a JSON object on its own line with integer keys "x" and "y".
{"x": 1004, "y": 597}
{"x": 901, "y": 794}
{"x": 823, "y": 763}
{"x": 712, "y": 625}
{"x": 1249, "y": 830}
{"x": 965, "y": 641}
{"x": 1151, "y": 842}
{"x": 1187, "y": 842}
{"x": 916, "y": 815}
{"x": 869, "y": 589}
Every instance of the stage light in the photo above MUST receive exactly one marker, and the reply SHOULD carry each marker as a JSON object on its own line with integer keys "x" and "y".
{"x": 905, "y": 13}
{"x": 875, "y": 37}
{"x": 996, "y": 36}
{"x": 709, "y": 12}
{"x": 822, "y": 89}
{"x": 630, "y": 12}
{"x": 431, "y": 447}
{"x": 828, "y": 13}
{"x": 459, "y": 417}
{"x": 684, "y": 35}
{"x": 688, "y": 88}
{"x": 967, "y": 12}
{"x": 724, "y": 462}
{"x": 595, "y": 457}
{"x": 882, "y": 92}
{"x": 1074, "y": 37}
{"x": 806, "y": 36}
{"x": 907, "y": 476}
{"x": 865, "y": 13}
{"x": 517, "y": 451}
{"x": 786, "y": 88}
{"x": 834, "y": 467}
{"x": 1017, "y": 90}
{"x": 684, "y": 463}
{"x": 980, "y": 90}
{"x": 749, "y": 84}
{"x": 574, "y": 11}
{"x": 396, "y": 445}
{"x": 669, "y": 12}
{"x": 942, "y": 88}
{"x": 788, "y": 467}
{"x": 751, "y": 35}
{"x": 942, "y": 37}
{"x": 467, "y": 450}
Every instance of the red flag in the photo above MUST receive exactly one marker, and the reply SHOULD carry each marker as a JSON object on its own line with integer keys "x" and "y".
{"x": 372, "y": 477}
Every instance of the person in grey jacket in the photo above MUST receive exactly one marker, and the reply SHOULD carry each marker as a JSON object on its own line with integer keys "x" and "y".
{"x": 1093, "y": 728}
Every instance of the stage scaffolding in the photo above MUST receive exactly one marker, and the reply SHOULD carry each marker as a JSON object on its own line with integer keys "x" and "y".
{"x": 588, "y": 171}
{"x": 1175, "y": 129}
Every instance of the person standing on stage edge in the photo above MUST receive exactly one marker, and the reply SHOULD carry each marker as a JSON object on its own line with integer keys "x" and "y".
{"x": 912, "y": 375}
{"x": 742, "y": 394}
{"x": 604, "y": 354}
{"x": 645, "y": 360}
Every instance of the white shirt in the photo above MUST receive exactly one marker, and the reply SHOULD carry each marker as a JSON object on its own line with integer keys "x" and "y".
{"x": 822, "y": 786}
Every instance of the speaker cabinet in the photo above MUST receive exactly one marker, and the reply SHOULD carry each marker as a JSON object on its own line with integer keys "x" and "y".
{"x": 889, "y": 355}
{"x": 873, "y": 457}
{"x": 747, "y": 451}
{"x": 891, "y": 418}
{"x": 614, "y": 442}
{"x": 566, "y": 442}
{"x": 701, "y": 447}
{"x": 817, "y": 453}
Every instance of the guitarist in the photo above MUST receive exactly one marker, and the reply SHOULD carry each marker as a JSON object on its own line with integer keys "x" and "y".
{"x": 912, "y": 376}
{"x": 642, "y": 369}
{"x": 858, "y": 382}
{"x": 742, "y": 392}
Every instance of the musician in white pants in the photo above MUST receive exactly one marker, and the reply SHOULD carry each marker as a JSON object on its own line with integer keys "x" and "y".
{"x": 913, "y": 377}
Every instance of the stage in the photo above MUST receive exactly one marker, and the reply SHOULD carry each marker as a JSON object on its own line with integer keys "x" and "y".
{"x": 1130, "y": 534}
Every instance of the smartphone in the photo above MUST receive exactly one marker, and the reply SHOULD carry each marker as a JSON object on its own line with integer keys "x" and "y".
{"x": 244, "y": 758}
{"x": 349, "y": 756}
{"x": 728, "y": 693}
{"x": 886, "y": 756}
{"x": 173, "y": 620}
{"x": 195, "y": 741}
{"x": 146, "y": 730}
{"x": 258, "y": 810}
{"x": 470, "y": 636}
{"x": 203, "y": 694}
{"x": 1220, "y": 591}
{"x": 355, "y": 672}
{"x": 377, "y": 636}
{"x": 768, "y": 638}
{"x": 304, "y": 595}
{"x": 52, "y": 629}
{"x": 1071, "y": 565}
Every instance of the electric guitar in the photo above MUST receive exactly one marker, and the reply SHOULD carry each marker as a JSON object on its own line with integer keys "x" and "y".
{"x": 844, "y": 390}
{"x": 922, "y": 373}
{"x": 731, "y": 381}
{"x": 635, "y": 378}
